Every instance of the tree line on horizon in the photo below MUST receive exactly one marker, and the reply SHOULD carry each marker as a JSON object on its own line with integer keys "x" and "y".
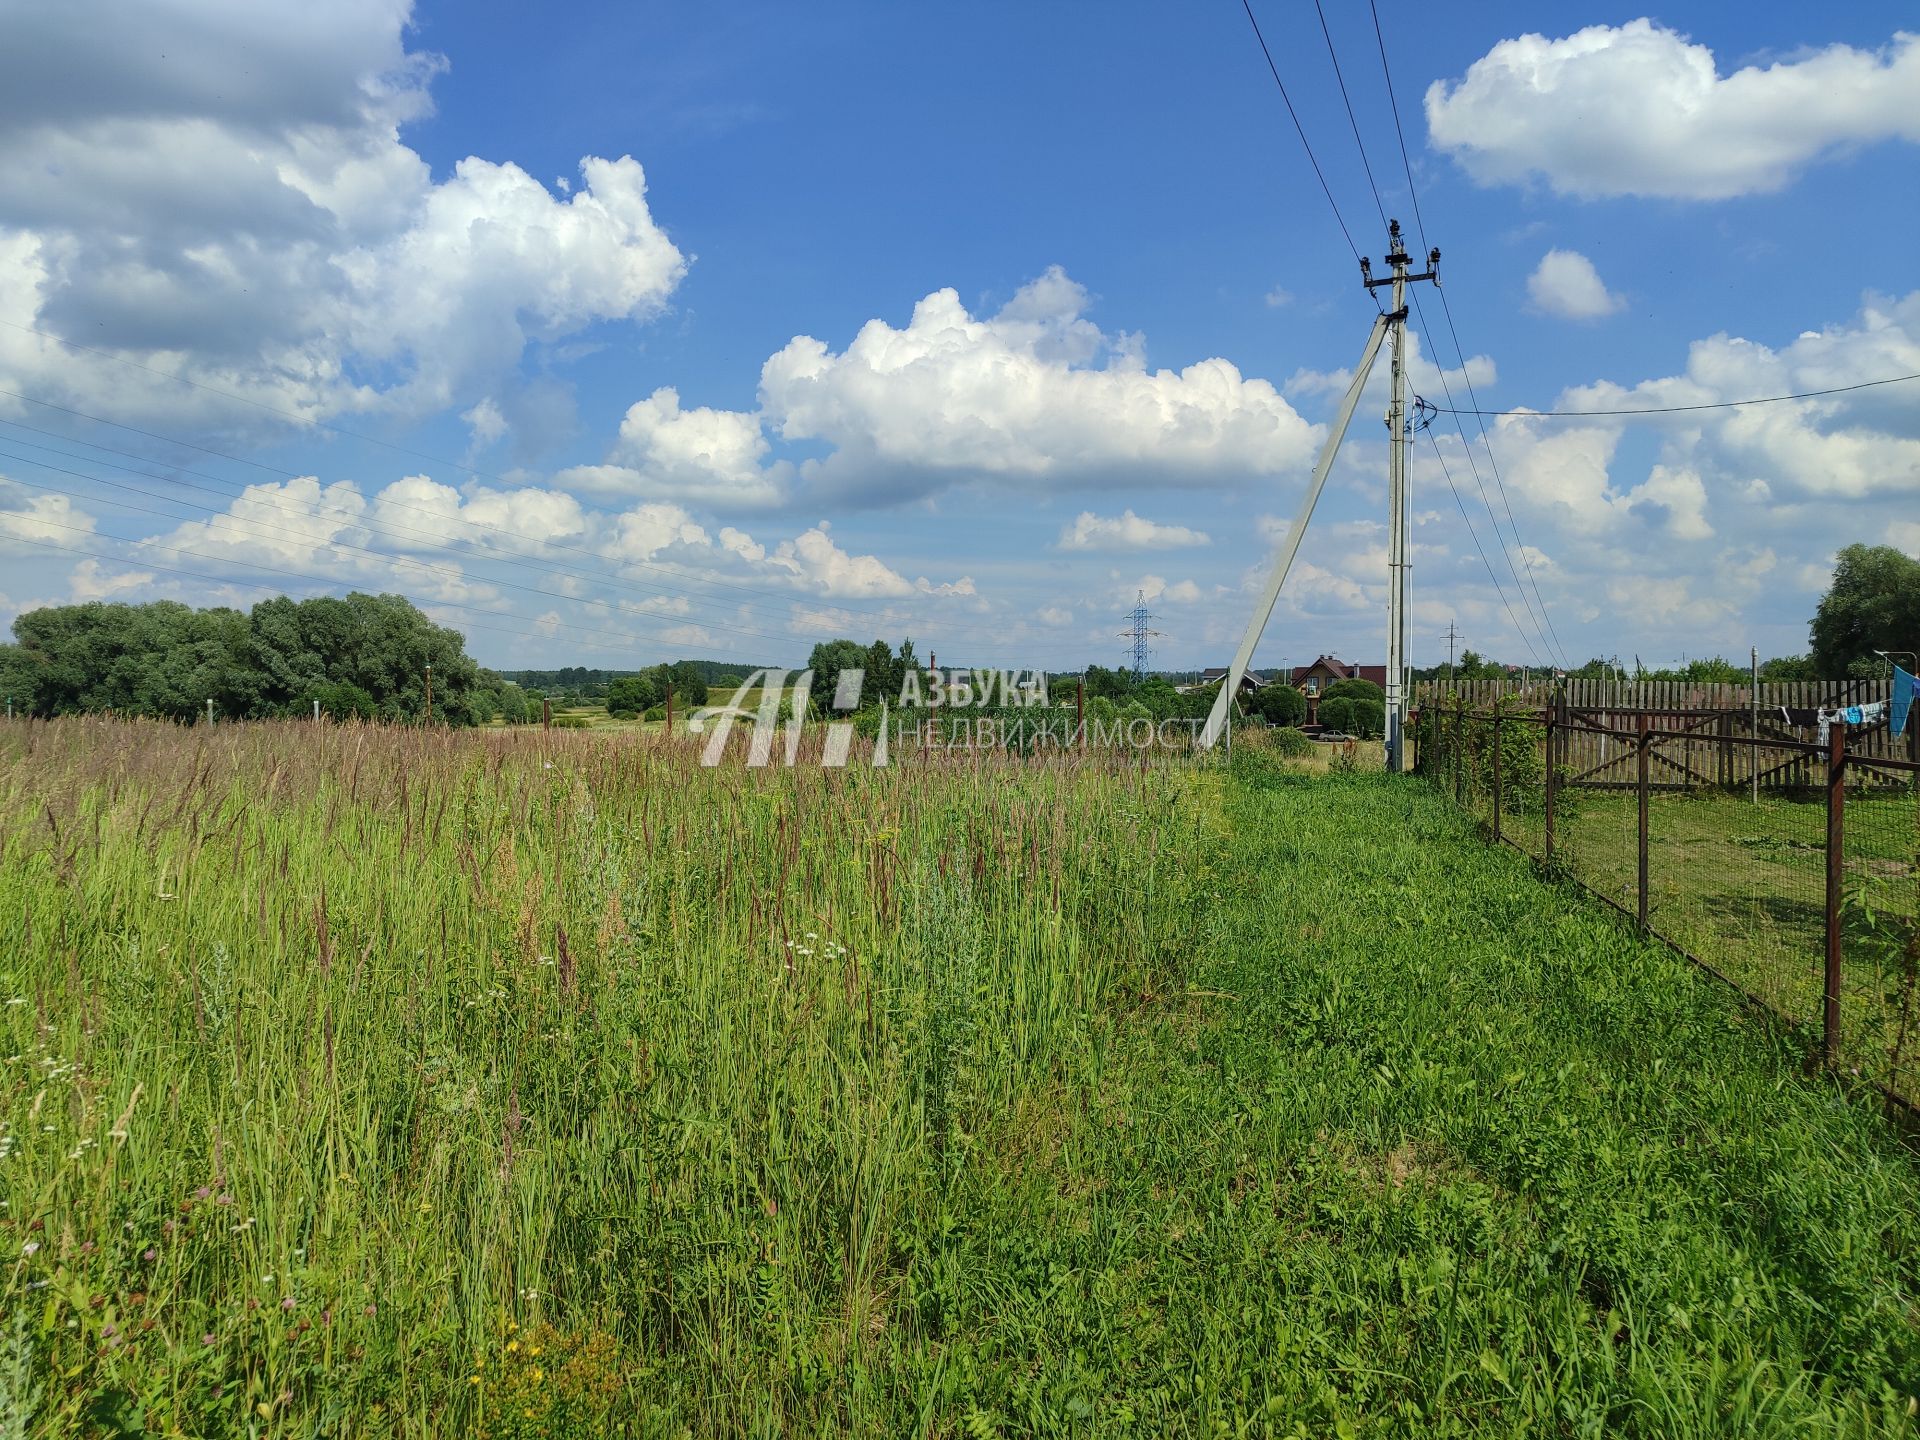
{"x": 366, "y": 656}
{"x": 1872, "y": 605}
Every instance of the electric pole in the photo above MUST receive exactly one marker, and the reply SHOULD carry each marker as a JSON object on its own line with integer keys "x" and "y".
{"x": 1452, "y": 636}
{"x": 1397, "y": 485}
{"x": 1139, "y": 634}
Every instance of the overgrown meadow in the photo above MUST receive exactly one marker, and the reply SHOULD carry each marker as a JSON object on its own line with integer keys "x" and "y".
{"x": 378, "y": 1082}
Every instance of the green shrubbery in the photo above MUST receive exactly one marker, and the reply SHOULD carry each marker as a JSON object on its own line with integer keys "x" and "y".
{"x": 1355, "y": 715}
{"x": 1278, "y": 705}
{"x": 361, "y": 656}
{"x": 1289, "y": 741}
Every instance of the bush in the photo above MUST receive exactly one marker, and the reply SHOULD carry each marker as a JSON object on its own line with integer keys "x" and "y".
{"x": 1355, "y": 690}
{"x": 655, "y": 713}
{"x": 631, "y": 694}
{"x": 1366, "y": 718}
{"x": 345, "y": 702}
{"x": 571, "y": 722}
{"x": 1278, "y": 704}
{"x": 1290, "y": 742}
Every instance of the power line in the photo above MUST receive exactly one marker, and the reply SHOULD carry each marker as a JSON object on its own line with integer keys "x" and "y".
{"x": 760, "y": 598}
{"x": 281, "y": 410}
{"x": 1708, "y": 405}
{"x": 1380, "y": 36}
{"x": 359, "y": 519}
{"x": 251, "y": 527}
{"x": 1300, "y": 129}
{"x": 1498, "y": 588}
{"x": 596, "y": 636}
{"x": 1353, "y": 120}
{"x": 1498, "y": 479}
{"x": 440, "y": 515}
{"x": 258, "y": 529}
{"x": 1360, "y": 144}
{"x": 1481, "y": 485}
{"x": 1413, "y": 193}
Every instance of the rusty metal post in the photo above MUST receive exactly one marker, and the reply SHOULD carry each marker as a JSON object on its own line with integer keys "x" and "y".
{"x": 1496, "y": 772}
{"x": 1553, "y": 709}
{"x": 1836, "y": 877}
{"x": 669, "y": 712}
{"x": 1459, "y": 732}
{"x": 546, "y": 712}
{"x": 1641, "y": 787}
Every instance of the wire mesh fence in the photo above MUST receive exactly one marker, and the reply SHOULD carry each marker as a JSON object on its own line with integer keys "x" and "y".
{"x": 1788, "y": 868}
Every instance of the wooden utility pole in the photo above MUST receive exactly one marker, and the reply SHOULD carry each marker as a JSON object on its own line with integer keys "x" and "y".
{"x": 429, "y": 694}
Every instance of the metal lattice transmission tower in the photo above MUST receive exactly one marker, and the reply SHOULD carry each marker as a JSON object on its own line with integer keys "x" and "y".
{"x": 1139, "y": 634}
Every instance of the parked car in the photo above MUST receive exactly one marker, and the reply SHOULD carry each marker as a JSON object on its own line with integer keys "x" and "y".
{"x": 1334, "y": 737}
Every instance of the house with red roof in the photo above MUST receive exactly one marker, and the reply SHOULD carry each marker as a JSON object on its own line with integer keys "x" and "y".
{"x": 1313, "y": 680}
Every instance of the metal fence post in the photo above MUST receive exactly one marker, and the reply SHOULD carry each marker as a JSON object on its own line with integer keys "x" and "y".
{"x": 1496, "y": 772}
{"x": 1836, "y": 877}
{"x": 1553, "y": 707}
{"x": 1459, "y": 733}
{"x": 1640, "y": 785}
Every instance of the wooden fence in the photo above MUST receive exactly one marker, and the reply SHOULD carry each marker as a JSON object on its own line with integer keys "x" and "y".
{"x": 1711, "y": 722}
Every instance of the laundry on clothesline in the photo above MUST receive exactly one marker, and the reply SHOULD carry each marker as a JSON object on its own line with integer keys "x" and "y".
{"x": 1821, "y": 720}
{"x": 1903, "y": 691}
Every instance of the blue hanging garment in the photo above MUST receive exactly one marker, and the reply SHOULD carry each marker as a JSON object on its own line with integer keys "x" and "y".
{"x": 1903, "y": 688}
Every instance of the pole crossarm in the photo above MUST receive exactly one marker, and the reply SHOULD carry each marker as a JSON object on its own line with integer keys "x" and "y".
{"x": 1290, "y": 547}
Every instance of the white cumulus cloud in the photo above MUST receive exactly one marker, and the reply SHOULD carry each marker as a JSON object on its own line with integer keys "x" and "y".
{"x": 717, "y": 457}
{"x": 1127, "y": 531}
{"x": 243, "y": 212}
{"x": 1637, "y": 109}
{"x": 1565, "y": 283}
{"x": 1036, "y": 393}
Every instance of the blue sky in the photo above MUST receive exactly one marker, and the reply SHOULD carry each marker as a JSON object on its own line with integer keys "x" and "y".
{"x": 723, "y": 330}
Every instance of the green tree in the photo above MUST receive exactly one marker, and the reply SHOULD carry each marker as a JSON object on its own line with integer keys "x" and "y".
{"x": 884, "y": 674}
{"x": 1279, "y": 705}
{"x": 688, "y": 680}
{"x": 828, "y": 659}
{"x": 1112, "y": 684}
{"x": 1354, "y": 690}
{"x": 1872, "y": 604}
{"x": 168, "y": 660}
{"x": 632, "y": 695}
{"x": 1789, "y": 667}
{"x": 1354, "y": 715}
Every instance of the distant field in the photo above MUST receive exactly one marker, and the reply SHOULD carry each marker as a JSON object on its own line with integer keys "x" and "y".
{"x": 377, "y": 1082}
{"x": 597, "y": 717}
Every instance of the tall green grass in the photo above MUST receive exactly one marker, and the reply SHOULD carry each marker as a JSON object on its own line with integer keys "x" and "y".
{"x": 369, "y": 1082}
{"x": 336, "y": 1052}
